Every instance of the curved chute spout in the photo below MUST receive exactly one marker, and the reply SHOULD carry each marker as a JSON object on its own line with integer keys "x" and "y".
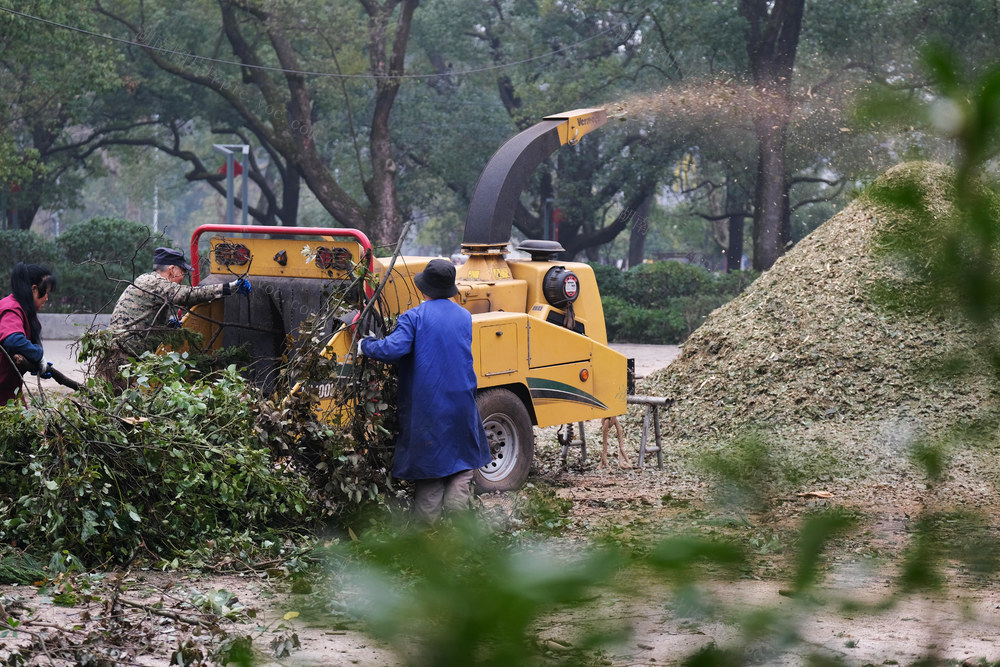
{"x": 491, "y": 212}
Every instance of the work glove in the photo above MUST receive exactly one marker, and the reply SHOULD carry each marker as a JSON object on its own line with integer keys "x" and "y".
{"x": 239, "y": 286}
{"x": 44, "y": 369}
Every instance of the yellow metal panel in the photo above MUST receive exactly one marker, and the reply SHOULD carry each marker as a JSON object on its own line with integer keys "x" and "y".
{"x": 580, "y": 391}
{"x": 400, "y": 292}
{"x": 588, "y": 305}
{"x": 610, "y": 379}
{"x": 487, "y": 297}
{"x": 339, "y": 349}
{"x": 578, "y": 123}
{"x": 502, "y": 359}
{"x": 560, "y": 394}
{"x": 202, "y": 319}
{"x": 551, "y": 344}
{"x": 267, "y": 256}
{"x": 497, "y": 350}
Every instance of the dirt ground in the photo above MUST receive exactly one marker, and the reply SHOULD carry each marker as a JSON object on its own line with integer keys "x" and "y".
{"x": 841, "y": 619}
{"x": 850, "y": 615}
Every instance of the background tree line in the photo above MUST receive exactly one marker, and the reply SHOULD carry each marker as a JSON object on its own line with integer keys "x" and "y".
{"x": 731, "y": 118}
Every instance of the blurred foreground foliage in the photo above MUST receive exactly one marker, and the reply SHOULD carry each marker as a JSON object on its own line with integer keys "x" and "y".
{"x": 949, "y": 261}
{"x": 950, "y": 258}
{"x": 469, "y": 593}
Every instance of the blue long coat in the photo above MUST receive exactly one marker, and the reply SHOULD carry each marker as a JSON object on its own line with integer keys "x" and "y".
{"x": 440, "y": 430}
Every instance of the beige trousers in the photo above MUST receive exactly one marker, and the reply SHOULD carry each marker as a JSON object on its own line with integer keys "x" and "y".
{"x": 446, "y": 494}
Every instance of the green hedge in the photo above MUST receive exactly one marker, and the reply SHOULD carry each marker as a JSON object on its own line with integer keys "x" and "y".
{"x": 662, "y": 303}
{"x": 92, "y": 261}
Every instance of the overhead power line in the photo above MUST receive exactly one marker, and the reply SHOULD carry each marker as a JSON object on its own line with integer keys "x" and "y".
{"x": 334, "y": 75}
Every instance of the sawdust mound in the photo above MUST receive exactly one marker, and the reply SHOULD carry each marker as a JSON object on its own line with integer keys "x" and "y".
{"x": 806, "y": 356}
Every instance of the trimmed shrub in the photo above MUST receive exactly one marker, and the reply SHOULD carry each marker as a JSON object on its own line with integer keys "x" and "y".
{"x": 93, "y": 261}
{"x": 610, "y": 280}
{"x": 102, "y": 255}
{"x": 663, "y": 303}
{"x": 21, "y": 245}
{"x": 614, "y": 320}
{"x": 655, "y": 285}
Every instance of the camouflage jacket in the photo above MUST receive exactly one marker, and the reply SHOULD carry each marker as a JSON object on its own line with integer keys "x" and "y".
{"x": 152, "y": 299}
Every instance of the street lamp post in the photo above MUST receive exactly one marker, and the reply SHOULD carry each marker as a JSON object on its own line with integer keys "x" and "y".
{"x": 229, "y": 150}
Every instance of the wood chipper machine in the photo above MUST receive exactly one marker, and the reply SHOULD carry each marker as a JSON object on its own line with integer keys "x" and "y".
{"x": 539, "y": 340}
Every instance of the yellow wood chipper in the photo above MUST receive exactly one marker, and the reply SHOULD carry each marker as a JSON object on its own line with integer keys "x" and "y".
{"x": 539, "y": 339}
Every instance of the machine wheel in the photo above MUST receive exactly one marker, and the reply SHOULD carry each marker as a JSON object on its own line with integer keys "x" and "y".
{"x": 511, "y": 439}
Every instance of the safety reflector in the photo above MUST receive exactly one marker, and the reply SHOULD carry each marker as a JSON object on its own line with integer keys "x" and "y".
{"x": 229, "y": 254}
{"x": 338, "y": 259}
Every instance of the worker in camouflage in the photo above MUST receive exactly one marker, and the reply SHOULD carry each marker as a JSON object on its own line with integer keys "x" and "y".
{"x": 152, "y": 299}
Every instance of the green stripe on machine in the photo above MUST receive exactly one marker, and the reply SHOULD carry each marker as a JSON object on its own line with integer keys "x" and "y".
{"x": 550, "y": 390}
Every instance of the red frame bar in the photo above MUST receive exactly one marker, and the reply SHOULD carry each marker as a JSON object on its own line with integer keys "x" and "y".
{"x": 357, "y": 234}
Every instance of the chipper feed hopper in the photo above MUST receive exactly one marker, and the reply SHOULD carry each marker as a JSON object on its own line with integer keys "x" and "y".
{"x": 539, "y": 339}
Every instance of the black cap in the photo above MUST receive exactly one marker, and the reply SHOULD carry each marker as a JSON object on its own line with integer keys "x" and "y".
{"x": 437, "y": 280}
{"x": 169, "y": 256}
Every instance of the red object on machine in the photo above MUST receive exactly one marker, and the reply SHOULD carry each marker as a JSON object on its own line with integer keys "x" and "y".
{"x": 356, "y": 234}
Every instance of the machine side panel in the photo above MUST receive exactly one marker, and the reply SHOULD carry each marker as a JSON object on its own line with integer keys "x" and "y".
{"x": 499, "y": 348}
{"x": 590, "y": 384}
{"x": 551, "y": 344}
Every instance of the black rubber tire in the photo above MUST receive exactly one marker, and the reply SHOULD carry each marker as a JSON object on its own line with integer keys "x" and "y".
{"x": 511, "y": 438}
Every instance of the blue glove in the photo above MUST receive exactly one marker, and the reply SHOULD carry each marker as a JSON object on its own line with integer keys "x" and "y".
{"x": 243, "y": 286}
{"x": 173, "y": 323}
{"x": 44, "y": 369}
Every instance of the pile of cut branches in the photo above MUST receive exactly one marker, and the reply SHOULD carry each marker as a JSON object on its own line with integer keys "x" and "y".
{"x": 176, "y": 459}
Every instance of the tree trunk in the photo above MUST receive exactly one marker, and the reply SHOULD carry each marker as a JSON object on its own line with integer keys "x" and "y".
{"x": 773, "y": 37}
{"x": 640, "y": 230}
{"x": 736, "y": 204}
{"x": 385, "y": 217}
{"x": 771, "y": 195}
{"x": 291, "y": 185}
{"x": 25, "y": 215}
{"x": 734, "y": 253}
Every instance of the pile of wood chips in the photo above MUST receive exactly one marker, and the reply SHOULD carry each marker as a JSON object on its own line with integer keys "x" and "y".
{"x": 839, "y": 387}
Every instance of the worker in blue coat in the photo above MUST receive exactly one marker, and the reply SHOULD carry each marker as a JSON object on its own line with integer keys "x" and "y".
{"x": 441, "y": 438}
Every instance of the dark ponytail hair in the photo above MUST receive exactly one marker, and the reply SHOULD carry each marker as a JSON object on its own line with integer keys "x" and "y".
{"x": 22, "y": 279}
